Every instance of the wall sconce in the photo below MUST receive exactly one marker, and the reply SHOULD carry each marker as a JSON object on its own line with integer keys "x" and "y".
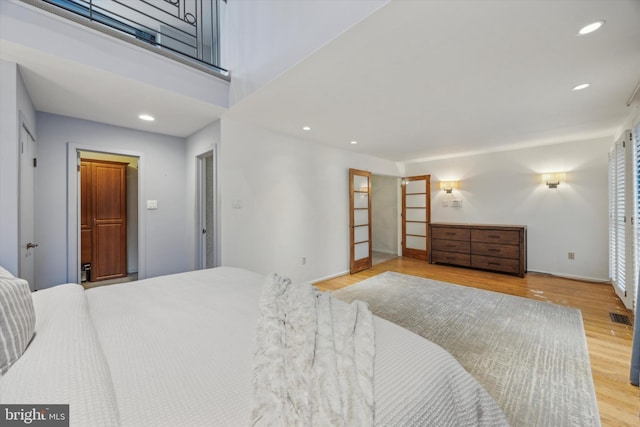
{"x": 448, "y": 186}
{"x": 553, "y": 179}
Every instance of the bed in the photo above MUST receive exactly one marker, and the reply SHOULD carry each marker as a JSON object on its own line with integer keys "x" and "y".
{"x": 178, "y": 350}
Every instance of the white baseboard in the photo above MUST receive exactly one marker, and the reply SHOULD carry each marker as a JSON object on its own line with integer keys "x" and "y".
{"x": 569, "y": 276}
{"x": 383, "y": 252}
{"x": 564, "y": 276}
{"x": 331, "y": 276}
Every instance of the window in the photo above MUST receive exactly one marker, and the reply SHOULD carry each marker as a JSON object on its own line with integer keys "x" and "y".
{"x": 612, "y": 215}
{"x": 623, "y": 186}
{"x": 635, "y": 137}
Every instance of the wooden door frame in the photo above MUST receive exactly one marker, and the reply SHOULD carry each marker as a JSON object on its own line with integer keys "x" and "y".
{"x": 364, "y": 263}
{"x": 408, "y": 252}
{"x": 73, "y": 207}
{"x": 26, "y": 127}
{"x": 201, "y": 251}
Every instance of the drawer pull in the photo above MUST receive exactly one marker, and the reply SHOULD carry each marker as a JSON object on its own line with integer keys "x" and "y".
{"x": 450, "y": 233}
{"x": 493, "y": 250}
{"x": 494, "y": 263}
{"x": 494, "y": 236}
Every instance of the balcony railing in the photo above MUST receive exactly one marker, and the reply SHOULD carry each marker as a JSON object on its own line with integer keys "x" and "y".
{"x": 186, "y": 29}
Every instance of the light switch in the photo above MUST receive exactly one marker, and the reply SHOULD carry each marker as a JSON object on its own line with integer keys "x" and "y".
{"x": 152, "y": 204}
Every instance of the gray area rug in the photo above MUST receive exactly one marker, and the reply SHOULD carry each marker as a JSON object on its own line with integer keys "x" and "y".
{"x": 530, "y": 356}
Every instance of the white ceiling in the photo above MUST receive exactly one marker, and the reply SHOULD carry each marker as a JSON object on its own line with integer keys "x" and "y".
{"x": 72, "y": 89}
{"x": 416, "y": 79}
{"x": 424, "y": 79}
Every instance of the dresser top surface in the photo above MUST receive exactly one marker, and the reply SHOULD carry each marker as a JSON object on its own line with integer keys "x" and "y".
{"x": 484, "y": 226}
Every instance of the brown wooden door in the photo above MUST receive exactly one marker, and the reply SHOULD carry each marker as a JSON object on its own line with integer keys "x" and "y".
{"x": 360, "y": 219}
{"x": 416, "y": 215}
{"x": 106, "y": 218}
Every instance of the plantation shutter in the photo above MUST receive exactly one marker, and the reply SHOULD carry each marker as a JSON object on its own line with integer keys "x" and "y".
{"x": 612, "y": 215}
{"x": 620, "y": 218}
{"x": 635, "y": 137}
{"x": 623, "y": 200}
{"x": 634, "y": 376}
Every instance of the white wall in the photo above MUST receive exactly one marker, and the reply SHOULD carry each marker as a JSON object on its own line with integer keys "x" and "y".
{"x": 9, "y": 166}
{"x": 262, "y": 39}
{"x": 384, "y": 213}
{"x": 203, "y": 141}
{"x": 295, "y": 202}
{"x": 505, "y": 188}
{"x": 162, "y": 169}
{"x": 27, "y": 26}
{"x": 632, "y": 119}
{"x": 25, "y": 107}
{"x": 15, "y": 105}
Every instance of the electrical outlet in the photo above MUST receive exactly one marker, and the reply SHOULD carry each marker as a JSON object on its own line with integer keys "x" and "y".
{"x": 304, "y": 260}
{"x": 572, "y": 255}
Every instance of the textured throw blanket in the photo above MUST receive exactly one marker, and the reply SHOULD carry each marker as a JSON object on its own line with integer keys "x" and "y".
{"x": 313, "y": 363}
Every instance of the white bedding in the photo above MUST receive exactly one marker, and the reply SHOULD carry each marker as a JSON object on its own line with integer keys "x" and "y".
{"x": 313, "y": 362}
{"x": 64, "y": 363}
{"x": 179, "y": 352}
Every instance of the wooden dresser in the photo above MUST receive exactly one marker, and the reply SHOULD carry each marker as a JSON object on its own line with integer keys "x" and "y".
{"x": 501, "y": 248}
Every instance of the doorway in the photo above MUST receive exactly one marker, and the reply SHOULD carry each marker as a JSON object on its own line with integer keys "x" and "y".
{"x": 207, "y": 253}
{"x": 108, "y": 200}
{"x": 386, "y": 213}
{"x": 27, "y": 202}
{"x": 416, "y": 216}
{"x": 385, "y": 204}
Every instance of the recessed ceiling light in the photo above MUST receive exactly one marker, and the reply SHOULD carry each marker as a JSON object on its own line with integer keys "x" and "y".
{"x": 588, "y": 29}
{"x": 354, "y": 142}
{"x": 306, "y": 128}
{"x": 581, "y": 86}
{"x": 146, "y": 117}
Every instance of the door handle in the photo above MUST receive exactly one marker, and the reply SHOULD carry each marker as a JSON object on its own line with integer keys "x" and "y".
{"x": 32, "y": 245}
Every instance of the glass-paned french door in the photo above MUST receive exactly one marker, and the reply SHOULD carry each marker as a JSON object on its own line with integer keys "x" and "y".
{"x": 416, "y": 215}
{"x": 360, "y": 220}
{"x": 623, "y": 185}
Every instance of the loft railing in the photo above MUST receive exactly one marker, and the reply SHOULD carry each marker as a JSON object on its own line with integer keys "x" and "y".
{"x": 185, "y": 28}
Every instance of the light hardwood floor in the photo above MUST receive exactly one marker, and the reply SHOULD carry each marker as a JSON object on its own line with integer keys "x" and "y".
{"x": 609, "y": 343}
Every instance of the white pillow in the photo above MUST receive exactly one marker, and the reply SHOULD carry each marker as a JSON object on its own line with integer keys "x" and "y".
{"x": 17, "y": 320}
{"x": 5, "y": 274}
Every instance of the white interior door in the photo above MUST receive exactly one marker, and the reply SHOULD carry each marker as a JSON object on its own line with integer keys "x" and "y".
{"x": 27, "y": 223}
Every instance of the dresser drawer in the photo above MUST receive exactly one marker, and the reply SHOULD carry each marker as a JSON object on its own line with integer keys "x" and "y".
{"x": 508, "y": 237}
{"x": 506, "y": 265}
{"x": 450, "y": 245}
{"x": 495, "y": 250}
{"x": 501, "y": 248}
{"x": 450, "y": 233}
{"x": 451, "y": 258}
